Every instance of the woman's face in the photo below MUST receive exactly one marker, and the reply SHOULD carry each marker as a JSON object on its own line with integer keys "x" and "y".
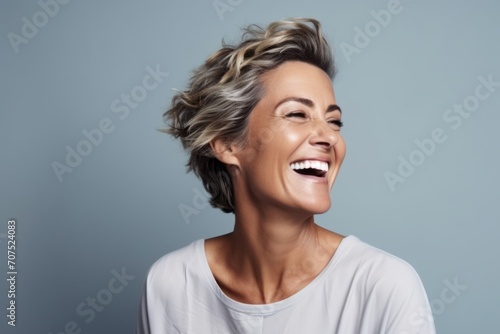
{"x": 294, "y": 146}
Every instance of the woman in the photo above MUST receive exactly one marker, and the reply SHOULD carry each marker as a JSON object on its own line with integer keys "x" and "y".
{"x": 262, "y": 127}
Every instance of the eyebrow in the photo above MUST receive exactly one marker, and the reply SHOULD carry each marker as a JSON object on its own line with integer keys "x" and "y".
{"x": 308, "y": 103}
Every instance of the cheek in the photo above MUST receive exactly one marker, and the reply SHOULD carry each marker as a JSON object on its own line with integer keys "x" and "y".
{"x": 292, "y": 137}
{"x": 275, "y": 138}
{"x": 289, "y": 137}
{"x": 340, "y": 149}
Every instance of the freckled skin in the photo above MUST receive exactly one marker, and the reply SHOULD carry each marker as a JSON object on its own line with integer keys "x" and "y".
{"x": 276, "y": 249}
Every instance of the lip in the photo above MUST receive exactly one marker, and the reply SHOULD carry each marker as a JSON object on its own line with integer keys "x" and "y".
{"x": 309, "y": 178}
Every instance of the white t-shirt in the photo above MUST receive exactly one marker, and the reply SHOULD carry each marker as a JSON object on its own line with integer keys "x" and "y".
{"x": 361, "y": 290}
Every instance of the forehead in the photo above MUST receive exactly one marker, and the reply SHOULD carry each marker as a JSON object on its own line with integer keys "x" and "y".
{"x": 291, "y": 81}
{"x": 294, "y": 78}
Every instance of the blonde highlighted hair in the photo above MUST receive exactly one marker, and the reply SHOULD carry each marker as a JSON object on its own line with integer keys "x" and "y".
{"x": 224, "y": 90}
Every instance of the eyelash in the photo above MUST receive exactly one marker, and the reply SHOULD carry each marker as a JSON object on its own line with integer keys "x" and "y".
{"x": 337, "y": 122}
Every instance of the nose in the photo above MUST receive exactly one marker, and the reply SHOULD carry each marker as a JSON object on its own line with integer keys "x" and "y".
{"x": 322, "y": 134}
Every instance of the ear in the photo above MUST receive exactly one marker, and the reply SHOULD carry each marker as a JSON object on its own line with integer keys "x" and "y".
{"x": 224, "y": 152}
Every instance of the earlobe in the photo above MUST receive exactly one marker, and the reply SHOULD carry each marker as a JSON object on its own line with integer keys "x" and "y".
{"x": 224, "y": 152}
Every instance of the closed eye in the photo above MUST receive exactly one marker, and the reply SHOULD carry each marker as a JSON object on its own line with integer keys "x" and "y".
{"x": 299, "y": 114}
{"x": 336, "y": 122}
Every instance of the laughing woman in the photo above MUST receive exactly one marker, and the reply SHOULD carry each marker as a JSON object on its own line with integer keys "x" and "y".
{"x": 261, "y": 124}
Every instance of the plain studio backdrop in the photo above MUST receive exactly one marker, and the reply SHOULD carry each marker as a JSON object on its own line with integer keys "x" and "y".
{"x": 98, "y": 194}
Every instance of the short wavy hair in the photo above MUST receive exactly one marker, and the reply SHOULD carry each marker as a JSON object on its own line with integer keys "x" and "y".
{"x": 224, "y": 90}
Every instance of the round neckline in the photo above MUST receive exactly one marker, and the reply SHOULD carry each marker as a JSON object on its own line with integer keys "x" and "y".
{"x": 267, "y": 309}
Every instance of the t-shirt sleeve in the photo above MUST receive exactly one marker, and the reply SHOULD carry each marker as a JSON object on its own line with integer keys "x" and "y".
{"x": 162, "y": 286}
{"x": 153, "y": 303}
{"x": 143, "y": 319}
{"x": 402, "y": 297}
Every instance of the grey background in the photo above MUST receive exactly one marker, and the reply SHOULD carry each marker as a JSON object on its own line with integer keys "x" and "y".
{"x": 120, "y": 207}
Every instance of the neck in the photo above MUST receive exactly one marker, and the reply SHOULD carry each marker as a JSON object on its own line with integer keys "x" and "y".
{"x": 276, "y": 253}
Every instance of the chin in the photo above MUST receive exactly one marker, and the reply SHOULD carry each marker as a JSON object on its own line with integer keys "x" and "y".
{"x": 322, "y": 210}
{"x": 317, "y": 207}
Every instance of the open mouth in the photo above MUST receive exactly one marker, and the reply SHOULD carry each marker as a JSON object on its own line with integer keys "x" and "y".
{"x": 310, "y": 167}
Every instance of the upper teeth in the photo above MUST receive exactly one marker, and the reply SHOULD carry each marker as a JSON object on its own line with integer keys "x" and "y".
{"x": 310, "y": 164}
